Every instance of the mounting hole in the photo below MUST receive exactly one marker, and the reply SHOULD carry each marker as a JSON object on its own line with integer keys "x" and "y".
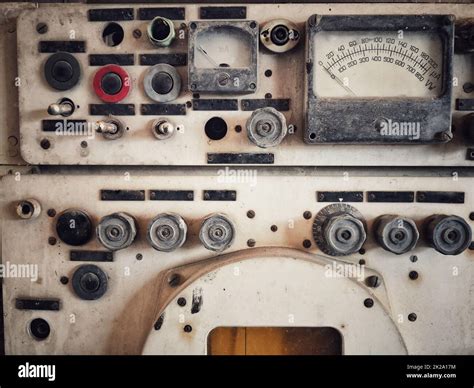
{"x": 216, "y": 128}
{"x": 312, "y": 136}
{"x": 39, "y": 329}
{"x": 112, "y": 34}
{"x": 268, "y": 73}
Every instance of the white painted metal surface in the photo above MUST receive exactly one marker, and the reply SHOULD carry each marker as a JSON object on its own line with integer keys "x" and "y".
{"x": 121, "y": 321}
{"x": 190, "y": 145}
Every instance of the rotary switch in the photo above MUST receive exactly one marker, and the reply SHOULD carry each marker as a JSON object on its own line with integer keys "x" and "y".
{"x": 116, "y": 231}
{"x": 112, "y": 83}
{"x": 217, "y": 232}
{"x": 396, "y": 234}
{"x": 339, "y": 230}
{"x": 167, "y": 232}
{"x": 449, "y": 235}
{"x": 266, "y": 127}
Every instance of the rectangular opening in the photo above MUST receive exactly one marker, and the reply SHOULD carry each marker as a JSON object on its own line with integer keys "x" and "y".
{"x": 254, "y": 341}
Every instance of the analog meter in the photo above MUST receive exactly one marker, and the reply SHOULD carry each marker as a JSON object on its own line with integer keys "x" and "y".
{"x": 223, "y": 56}
{"x": 379, "y": 79}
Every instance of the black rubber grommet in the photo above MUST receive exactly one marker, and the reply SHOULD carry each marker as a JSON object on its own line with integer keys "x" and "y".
{"x": 39, "y": 329}
{"x": 280, "y": 35}
{"x": 89, "y": 282}
{"x": 74, "y": 227}
{"x": 62, "y": 71}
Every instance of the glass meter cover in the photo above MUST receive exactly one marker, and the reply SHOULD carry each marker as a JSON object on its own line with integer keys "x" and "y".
{"x": 223, "y": 56}
{"x": 379, "y": 79}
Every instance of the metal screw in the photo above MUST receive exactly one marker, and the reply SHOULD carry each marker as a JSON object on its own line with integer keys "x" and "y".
{"x": 174, "y": 280}
{"x": 414, "y": 258}
{"x": 251, "y": 243}
{"x": 250, "y": 214}
{"x": 373, "y": 281}
{"x": 369, "y": 302}
{"x": 412, "y": 317}
{"x": 274, "y": 228}
{"x": 51, "y": 212}
{"x": 83, "y": 144}
{"x": 307, "y": 215}
{"x": 52, "y": 240}
{"x": 45, "y": 144}
{"x": 307, "y": 244}
{"x": 181, "y": 302}
{"x": 468, "y": 87}
{"x": 413, "y": 275}
{"x": 64, "y": 280}
{"x": 188, "y": 329}
{"x": 137, "y": 34}
{"x": 139, "y": 256}
{"x": 41, "y": 28}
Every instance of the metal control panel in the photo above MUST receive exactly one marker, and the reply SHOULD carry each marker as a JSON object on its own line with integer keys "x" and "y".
{"x": 113, "y": 254}
{"x": 214, "y": 85}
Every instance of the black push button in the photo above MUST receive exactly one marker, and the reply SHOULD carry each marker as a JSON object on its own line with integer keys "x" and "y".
{"x": 111, "y": 83}
{"x": 162, "y": 83}
{"x": 62, "y": 71}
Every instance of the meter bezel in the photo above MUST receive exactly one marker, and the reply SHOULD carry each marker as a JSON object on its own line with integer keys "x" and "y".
{"x": 357, "y": 120}
{"x": 206, "y": 79}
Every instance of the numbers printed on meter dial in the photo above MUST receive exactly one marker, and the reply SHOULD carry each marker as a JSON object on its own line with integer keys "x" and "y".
{"x": 379, "y": 64}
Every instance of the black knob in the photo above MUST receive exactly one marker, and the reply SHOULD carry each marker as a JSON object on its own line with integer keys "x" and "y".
{"x": 89, "y": 282}
{"x": 111, "y": 83}
{"x": 74, "y": 227}
{"x": 62, "y": 71}
{"x": 162, "y": 83}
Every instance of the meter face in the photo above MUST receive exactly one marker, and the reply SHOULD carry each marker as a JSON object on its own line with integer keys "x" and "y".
{"x": 392, "y": 64}
{"x": 222, "y": 47}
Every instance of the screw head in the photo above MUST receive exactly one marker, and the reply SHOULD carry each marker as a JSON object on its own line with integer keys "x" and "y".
{"x": 413, "y": 275}
{"x": 412, "y": 317}
{"x": 64, "y": 280}
{"x": 369, "y": 302}
{"x": 188, "y": 329}
{"x": 250, "y": 214}
{"x": 181, "y": 302}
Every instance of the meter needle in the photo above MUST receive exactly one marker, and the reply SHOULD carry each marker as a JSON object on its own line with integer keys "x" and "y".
{"x": 207, "y": 56}
{"x": 338, "y": 80}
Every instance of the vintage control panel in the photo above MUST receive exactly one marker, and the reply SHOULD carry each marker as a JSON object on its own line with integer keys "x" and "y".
{"x": 172, "y": 171}
{"x": 225, "y": 85}
{"x": 101, "y": 243}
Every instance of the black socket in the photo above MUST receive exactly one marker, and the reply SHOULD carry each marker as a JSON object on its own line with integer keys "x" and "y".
{"x": 162, "y": 83}
{"x": 74, "y": 227}
{"x": 111, "y": 83}
{"x": 216, "y": 128}
{"x": 280, "y": 35}
{"x": 39, "y": 329}
{"x": 89, "y": 282}
{"x": 62, "y": 71}
{"x": 160, "y": 30}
